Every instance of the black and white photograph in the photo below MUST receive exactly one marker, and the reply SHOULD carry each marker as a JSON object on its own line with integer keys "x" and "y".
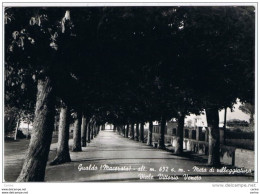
{"x": 129, "y": 93}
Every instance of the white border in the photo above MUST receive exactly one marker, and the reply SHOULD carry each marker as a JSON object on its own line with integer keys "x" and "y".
{"x": 131, "y": 187}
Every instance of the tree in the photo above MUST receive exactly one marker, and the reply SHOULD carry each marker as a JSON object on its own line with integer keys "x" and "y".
{"x": 76, "y": 147}
{"x": 63, "y": 154}
{"x": 141, "y": 139}
{"x": 150, "y": 133}
{"x": 127, "y": 130}
{"x": 179, "y": 134}
{"x": 10, "y": 119}
{"x": 33, "y": 168}
{"x": 132, "y": 131}
{"x": 248, "y": 109}
{"x": 37, "y": 33}
{"x": 220, "y": 51}
{"x": 237, "y": 123}
{"x": 136, "y": 136}
{"x": 84, "y": 131}
{"x": 161, "y": 144}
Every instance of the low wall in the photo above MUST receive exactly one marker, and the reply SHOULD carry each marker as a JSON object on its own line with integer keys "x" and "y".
{"x": 245, "y": 158}
{"x": 196, "y": 141}
{"x": 238, "y": 157}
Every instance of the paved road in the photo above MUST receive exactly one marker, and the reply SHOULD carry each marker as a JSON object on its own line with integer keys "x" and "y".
{"x": 111, "y": 157}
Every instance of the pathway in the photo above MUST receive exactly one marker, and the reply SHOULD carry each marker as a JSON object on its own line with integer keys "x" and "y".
{"x": 111, "y": 157}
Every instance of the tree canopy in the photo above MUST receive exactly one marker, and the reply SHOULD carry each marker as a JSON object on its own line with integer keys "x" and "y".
{"x": 132, "y": 63}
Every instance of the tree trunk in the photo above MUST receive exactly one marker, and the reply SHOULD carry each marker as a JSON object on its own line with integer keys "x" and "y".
{"x": 132, "y": 132}
{"x": 98, "y": 129}
{"x": 124, "y": 129}
{"x": 225, "y": 124}
{"x": 17, "y": 128}
{"x": 63, "y": 154}
{"x": 89, "y": 131}
{"x": 225, "y": 119}
{"x": 92, "y": 131}
{"x": 127, "y": 130}
{"x": 179, "y": 135}
{"x": 137, "y": 132}
{"x": 214, "y": 136}
{"x": 95, "y": 130}
{"x": 142, "y": 133}
{"x": 76, "y": 147}
{"x": 28, "y": 129}
{"x": 114, "y": 128}
{"x": 117, "y": 129}
{"x": 161, "y": 144}
{"x": 120, "y": 129}
{"x": 84, "y": 131}
{"x": 150, "y": 133}
{"x": 36, "y": 158}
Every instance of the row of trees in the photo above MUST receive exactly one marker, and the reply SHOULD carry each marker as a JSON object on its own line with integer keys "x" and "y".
{"x": 126, "y": 65}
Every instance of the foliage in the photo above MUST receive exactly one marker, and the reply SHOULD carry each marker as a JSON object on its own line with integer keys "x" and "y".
{"x": 237, "y": 123}
{"x": 248, "y": 109}
{"x": 131, "y": 64}
{"x": 10, "y": 119}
